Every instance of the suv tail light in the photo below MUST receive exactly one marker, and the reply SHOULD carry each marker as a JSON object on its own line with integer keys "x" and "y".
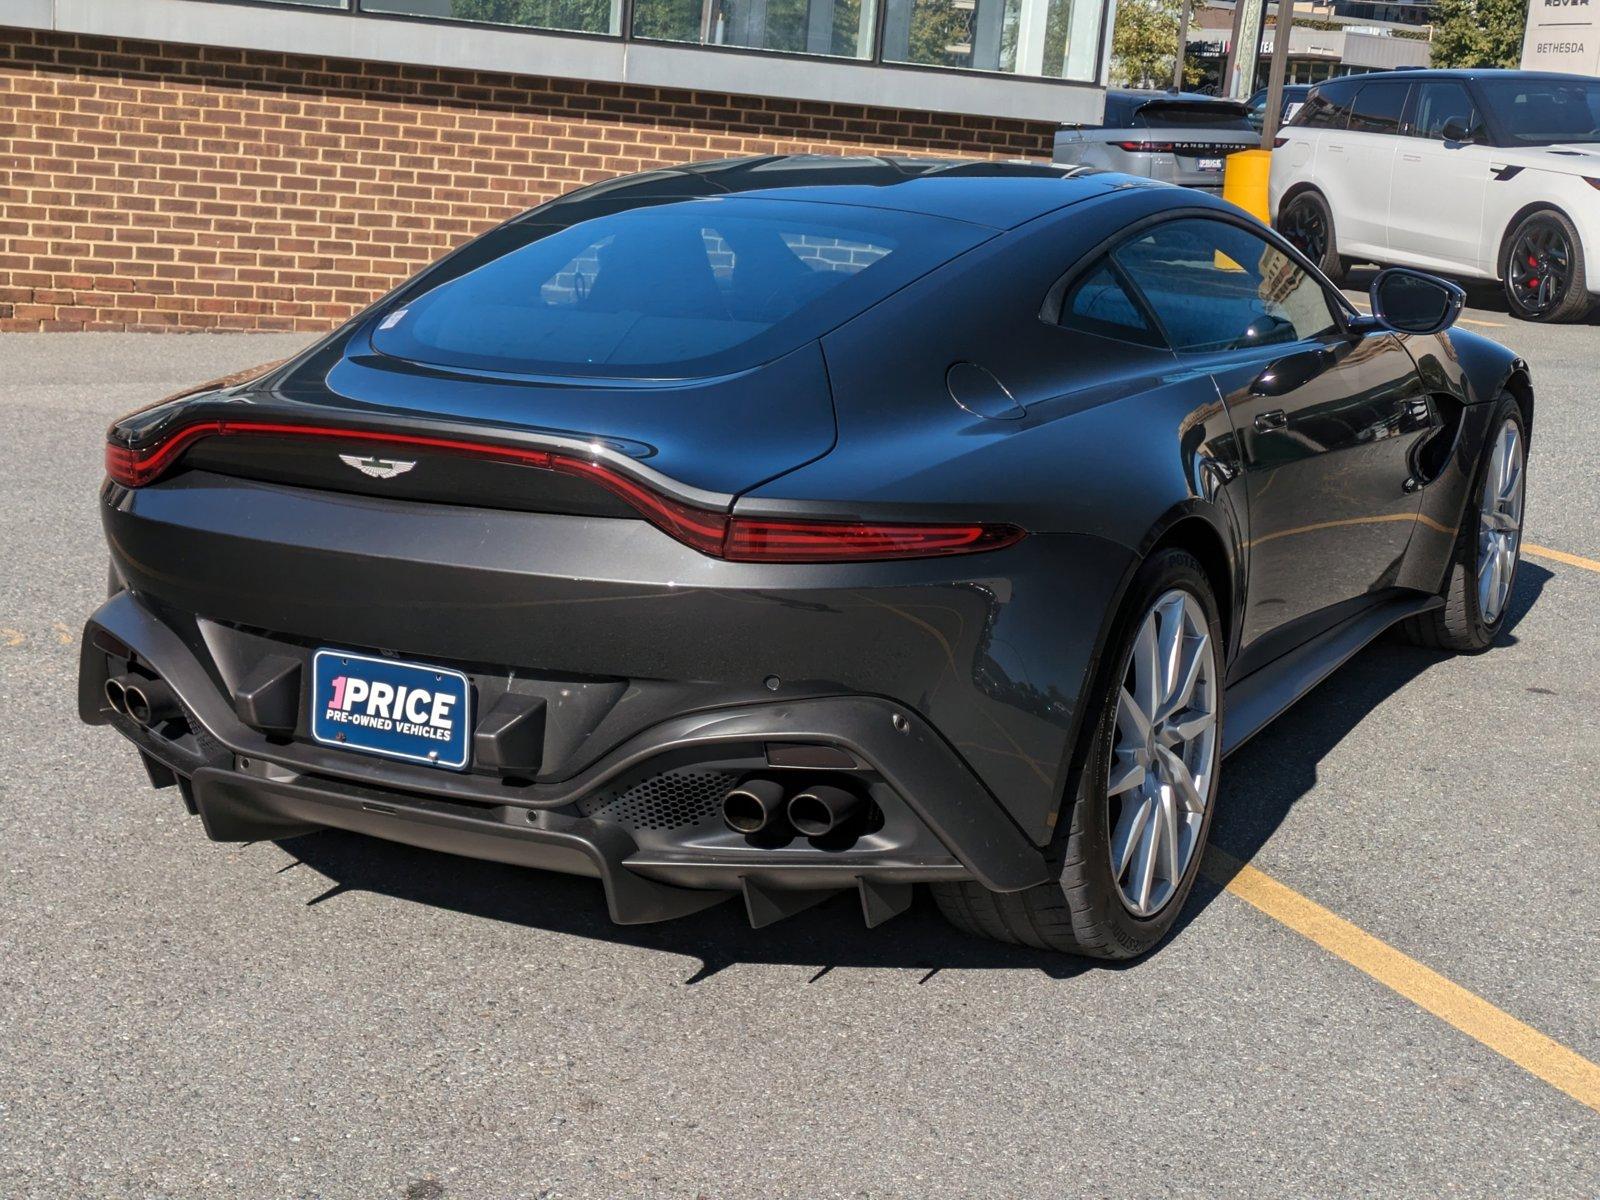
{"x": 1146, "y": 147}
{"x": 737, "y": 539}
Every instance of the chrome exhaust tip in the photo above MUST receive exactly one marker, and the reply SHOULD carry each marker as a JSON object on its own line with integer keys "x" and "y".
{"x": 755, "y": 805}
{"x": 821, "y": 810}
{"x": 149, "y": 701}
{"x": 116, "y": 693}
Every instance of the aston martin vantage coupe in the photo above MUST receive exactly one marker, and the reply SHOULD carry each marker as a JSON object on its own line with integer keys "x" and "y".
{"x": 787, "y": 526}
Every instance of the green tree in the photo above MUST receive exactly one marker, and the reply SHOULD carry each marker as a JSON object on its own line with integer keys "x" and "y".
{"x": 1145, "y": 40}
{"x": 1479, "y": 33}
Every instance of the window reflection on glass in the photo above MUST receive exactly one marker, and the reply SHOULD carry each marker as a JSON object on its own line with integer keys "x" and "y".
{"x": 1058, "y": 39}
{"x": 582, "y": 16}
{"x": 841, "y": 28}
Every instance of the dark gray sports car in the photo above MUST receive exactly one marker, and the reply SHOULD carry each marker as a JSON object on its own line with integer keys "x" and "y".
{"x": 775, "y": 527}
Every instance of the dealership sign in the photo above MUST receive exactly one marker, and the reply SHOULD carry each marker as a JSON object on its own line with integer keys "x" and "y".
{"x": 1563, "y": 35}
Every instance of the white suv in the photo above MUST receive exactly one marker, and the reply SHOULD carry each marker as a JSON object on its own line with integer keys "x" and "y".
{"x": 1486, "y": 174}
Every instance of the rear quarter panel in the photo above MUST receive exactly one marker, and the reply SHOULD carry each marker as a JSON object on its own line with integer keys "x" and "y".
{"x": 1114, "y": 443}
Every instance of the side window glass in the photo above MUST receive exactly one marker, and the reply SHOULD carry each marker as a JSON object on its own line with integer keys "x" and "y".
{"x": 1338, "y": 100}
{"x": 1378, "y": 107}
{"x": 1440, "y": 102}
{"x": 1215, "y": 286}
{"x": 1099, "y": 304}
{"x": 1315, "y": 113}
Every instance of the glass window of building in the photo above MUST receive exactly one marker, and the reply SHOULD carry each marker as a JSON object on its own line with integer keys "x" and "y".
{"x": 1056, "y": 39}
{"x": 838, "y": 28}
{"x": 579, "y": 16}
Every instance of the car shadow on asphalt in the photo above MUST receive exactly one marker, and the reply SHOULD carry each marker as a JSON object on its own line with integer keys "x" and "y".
{"x": 1260, "y": 785}
{"x": 1262, "y": 781}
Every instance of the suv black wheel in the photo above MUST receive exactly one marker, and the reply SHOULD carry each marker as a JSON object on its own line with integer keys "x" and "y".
{"x": 1543, "y": 270}
{"x": 1307, "y": 222}
{"x": 1144, "y": 797}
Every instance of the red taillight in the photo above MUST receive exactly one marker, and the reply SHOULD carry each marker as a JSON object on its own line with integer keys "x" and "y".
{"x": 1594, "y": 183}
{"x": 711, "y": 532}
{"x": 1146, "y": 147}
{"x": 1279, "y": 143}
{"x": 700, "y": 528}
{"x": 754, "y": 540}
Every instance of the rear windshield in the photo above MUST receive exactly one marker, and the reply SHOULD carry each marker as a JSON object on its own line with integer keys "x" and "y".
{"x": 694, "y": 288}
{"x": 1545, "y": 112}
{"x": 1162, "y": 114}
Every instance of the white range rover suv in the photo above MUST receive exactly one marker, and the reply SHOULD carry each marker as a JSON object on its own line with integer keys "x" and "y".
{"x": 1479, "y": 173}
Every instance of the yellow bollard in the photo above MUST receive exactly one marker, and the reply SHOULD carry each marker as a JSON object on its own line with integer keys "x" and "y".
{"x": 1244, "y": 182}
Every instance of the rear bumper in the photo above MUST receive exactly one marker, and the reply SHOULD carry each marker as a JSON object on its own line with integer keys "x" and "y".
{"x": 938, "y": 822}
{"x": 620, "y": 630}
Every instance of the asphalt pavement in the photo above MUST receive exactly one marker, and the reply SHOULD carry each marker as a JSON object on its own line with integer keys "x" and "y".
{"x": 335, "y": 1017}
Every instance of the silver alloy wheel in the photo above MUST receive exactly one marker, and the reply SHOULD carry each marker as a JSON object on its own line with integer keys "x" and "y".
{"x": 1164, "y": 753}
{"x": 1500, "y": 523}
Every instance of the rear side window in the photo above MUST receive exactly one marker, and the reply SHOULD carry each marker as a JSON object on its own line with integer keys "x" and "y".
{"x": 1318, "y": 112}
{"x": 1099, "y": 304}
{"x": 1378, "y": 108}
{"x": 1332, "y": 103}
{"x": 1216, "y": 286}
{"x": 678, "y": 290}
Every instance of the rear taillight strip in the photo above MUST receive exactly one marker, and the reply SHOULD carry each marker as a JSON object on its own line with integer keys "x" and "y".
{"x": 737, "y": 539}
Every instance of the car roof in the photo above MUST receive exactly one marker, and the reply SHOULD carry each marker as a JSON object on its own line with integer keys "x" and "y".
{"x": 1159, "y": 94}
{"x": 1408, "y": 74}
{"x": 997, "y": 194}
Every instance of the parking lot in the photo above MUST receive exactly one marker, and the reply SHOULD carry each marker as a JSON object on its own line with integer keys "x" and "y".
{"x": 334, "y": 1017}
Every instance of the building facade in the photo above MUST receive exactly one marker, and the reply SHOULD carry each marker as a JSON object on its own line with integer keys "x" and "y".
{"x": 209, "y": 164}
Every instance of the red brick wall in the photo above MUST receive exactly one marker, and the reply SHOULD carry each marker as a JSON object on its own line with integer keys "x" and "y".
{"x": 156, "y": 186}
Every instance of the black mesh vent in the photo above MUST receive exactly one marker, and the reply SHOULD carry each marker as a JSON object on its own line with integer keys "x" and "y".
{"x": 674, "y": 801}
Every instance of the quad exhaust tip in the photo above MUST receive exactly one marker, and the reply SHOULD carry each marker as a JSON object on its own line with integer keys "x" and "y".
{"x": 755, "y": 805}
{"x": 148, "y": 701}
{"x": 820, "y": 810}
{"x": 760, "y": 805}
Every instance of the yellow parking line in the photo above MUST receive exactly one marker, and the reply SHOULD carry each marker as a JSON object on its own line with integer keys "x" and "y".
{"x": 1521, "y": 1044}
{"x": 1561, "y": 556}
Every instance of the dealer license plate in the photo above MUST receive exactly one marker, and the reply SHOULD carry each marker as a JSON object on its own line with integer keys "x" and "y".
{"x": 399, "y": 710}
{"x": 1208, "y": 164}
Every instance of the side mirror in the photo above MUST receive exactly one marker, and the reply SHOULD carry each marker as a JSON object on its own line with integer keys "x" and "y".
{"x": 1456, "y": 130}
{"x": 1408, "y": 301}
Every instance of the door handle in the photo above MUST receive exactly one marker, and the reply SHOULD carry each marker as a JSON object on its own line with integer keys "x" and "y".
{"x": 1274, "y": 420}
{"x": 1411, "y": 158}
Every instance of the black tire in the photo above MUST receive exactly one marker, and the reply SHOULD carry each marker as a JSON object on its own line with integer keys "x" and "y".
{"x": 1082, "y": 911}
{"x": 1541, "y": 269}
{"x": 1307, "y": 222}
{"x": 1459, "y": 626}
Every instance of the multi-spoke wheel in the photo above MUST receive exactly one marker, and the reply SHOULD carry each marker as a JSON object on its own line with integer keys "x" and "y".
{"x": 1165, "y": 751}
{"x": 1500, "y": 522}
{"x": 1483, "y": 566}
{"x": 1135, "y": 827}
{"x": 1543, "y": 269}
{"x": 1306, "y": 222}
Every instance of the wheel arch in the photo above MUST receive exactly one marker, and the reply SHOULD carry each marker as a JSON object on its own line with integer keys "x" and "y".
{"x": 1194, "y": 534}
{"x": 1520, "y": 386}
{"x": 1517, "y": 218}
{"x": 1300, "y": 189}
{"x": 1196, "y": 528}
